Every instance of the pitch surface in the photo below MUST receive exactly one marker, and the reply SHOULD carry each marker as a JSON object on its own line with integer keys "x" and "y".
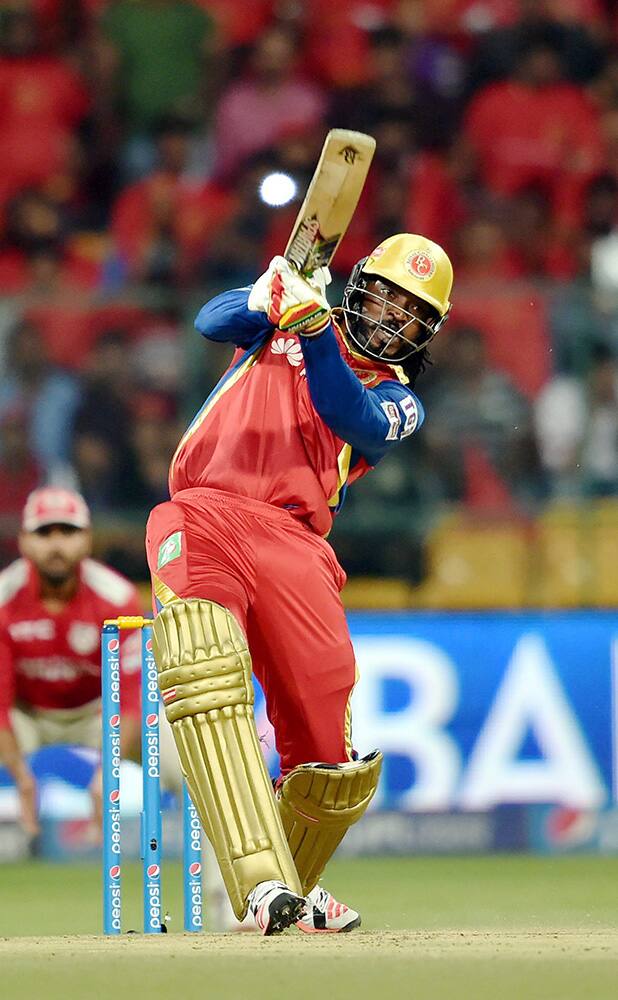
{"x": 436, "y": 929}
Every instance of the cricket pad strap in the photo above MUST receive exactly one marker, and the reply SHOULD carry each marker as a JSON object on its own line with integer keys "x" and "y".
{"x": 318, "y": 804}
{"x": 205, "y": 680}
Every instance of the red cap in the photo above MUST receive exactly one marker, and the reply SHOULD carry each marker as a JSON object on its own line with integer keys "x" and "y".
{"x": 52, "y": 505}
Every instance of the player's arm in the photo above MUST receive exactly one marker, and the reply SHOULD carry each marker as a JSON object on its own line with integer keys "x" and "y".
{"x": 14, "y": 761}
{"x": 371, "y": 420}
{"x": 11, "y": 756}
{"x": 228, "y": 319}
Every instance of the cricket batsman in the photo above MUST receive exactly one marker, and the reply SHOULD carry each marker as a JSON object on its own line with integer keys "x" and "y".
{"x": 244, "y": 579}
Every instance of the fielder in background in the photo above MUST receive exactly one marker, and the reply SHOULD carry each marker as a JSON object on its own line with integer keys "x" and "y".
{"x": 52, "y": 603}
{"x": 244, "y": 579}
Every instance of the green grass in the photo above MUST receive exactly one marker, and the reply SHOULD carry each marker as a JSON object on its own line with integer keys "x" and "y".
{"x": 392, "y": 893}
{"x": 493, "y": 928}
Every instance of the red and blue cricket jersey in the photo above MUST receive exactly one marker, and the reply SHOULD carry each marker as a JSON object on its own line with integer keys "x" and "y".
{"x": 293, "y": 421}
{"x": 255, "y": 483}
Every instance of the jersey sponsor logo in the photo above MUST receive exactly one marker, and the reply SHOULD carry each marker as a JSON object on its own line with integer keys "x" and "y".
{"x": 83, "y": 637}
{"x": 290, "y": 348}
{"x": 170, "y": 549}
{"x": 43, "y": 628}
{"x": 421, "y": 265}
{"x": 56, "y": 668}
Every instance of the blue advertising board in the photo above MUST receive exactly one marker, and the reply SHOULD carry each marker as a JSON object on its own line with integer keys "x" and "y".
{"x": 476, "y": 711}
{"x": 499, "y": 731}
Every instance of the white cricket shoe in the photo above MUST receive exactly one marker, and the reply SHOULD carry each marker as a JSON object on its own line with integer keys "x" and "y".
{"x": 275, "y": 907}
{"x": 324, "y": 915}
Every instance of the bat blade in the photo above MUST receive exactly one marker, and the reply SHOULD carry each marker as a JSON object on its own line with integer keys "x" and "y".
{"x": 331, "y": 199}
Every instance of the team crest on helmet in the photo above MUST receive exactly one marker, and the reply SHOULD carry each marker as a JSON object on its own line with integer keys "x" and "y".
{"x": 421, "y": 265}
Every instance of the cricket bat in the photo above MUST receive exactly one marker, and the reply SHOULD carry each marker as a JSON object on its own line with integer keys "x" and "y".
{"x": 331, "y": 199}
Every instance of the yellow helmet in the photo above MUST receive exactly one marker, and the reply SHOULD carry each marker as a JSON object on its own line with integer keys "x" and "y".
{"x": 417, "y": 264}
{"x": 405, "y": 262}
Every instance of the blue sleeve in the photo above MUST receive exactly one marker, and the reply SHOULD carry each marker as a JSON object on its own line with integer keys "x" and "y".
{"x": 371, "y": 420}
{"x": 227, "y": 319}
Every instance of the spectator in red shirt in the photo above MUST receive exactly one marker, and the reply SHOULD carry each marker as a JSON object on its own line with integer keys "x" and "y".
{"x": 38, "y": 255}
{"x": 42, "y": 99}
{"x": 162, "y": 225}
{"x": 52, "y": 604}
{"x": 533, "y": 128}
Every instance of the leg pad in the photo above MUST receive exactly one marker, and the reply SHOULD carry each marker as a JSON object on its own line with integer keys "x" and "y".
{"x": 205, "y": 680}
{"x": 318, "y": 804}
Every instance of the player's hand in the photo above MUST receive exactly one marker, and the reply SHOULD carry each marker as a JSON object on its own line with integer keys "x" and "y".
{"x": 292, "y": 303}
{"x": 27, "y": 792}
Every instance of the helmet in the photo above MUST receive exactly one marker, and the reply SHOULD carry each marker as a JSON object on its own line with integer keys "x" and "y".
{"x": 413, "y": 264}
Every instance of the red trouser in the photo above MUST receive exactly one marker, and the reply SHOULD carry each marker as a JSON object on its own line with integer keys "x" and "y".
{"x": 282, "y": 583}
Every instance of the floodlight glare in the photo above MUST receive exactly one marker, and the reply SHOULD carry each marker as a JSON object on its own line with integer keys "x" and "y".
{"x": 277, "y": 189}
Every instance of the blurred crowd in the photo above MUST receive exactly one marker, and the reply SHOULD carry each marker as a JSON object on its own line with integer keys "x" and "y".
{"x": 134, "y": 137}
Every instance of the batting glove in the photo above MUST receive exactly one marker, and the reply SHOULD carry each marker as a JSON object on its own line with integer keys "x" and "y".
{"x": 292, "y": 303}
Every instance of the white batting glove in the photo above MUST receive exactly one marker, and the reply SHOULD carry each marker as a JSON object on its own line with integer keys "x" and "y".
{"x": 292, "y": 303}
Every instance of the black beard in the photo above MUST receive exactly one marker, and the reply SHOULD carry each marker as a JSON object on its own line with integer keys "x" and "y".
{"x": 367, "y": 328}
{"x": 364, "y": 332}
{"x": 57, "y": 579}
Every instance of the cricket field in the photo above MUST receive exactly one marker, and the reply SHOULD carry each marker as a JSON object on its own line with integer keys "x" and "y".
{"x": 491, "y": 928}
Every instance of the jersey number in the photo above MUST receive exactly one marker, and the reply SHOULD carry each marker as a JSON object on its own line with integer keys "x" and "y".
{"x": 408, "y": 405}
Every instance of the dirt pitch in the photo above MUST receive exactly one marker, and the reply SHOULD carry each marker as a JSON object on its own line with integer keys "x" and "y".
{"x": 475, "y": 928}
{"x": 579, "y": 945}
{"x": 424, "y": 965}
